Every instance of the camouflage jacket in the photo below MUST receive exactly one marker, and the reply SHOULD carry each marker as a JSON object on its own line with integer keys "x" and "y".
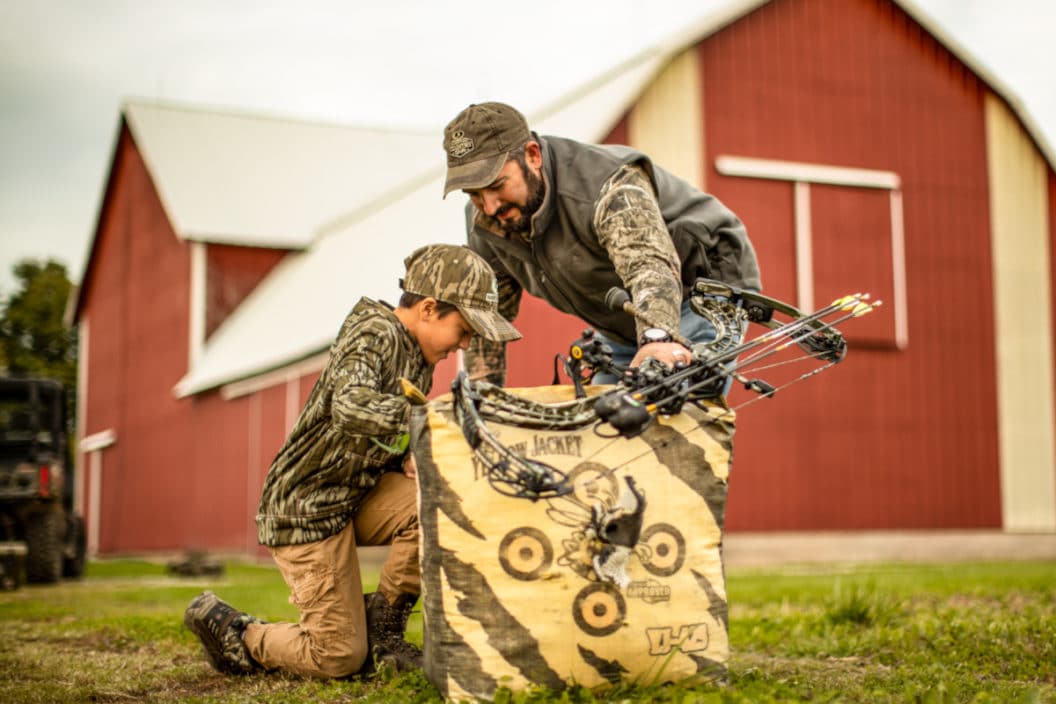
{"x": 348, "y": 433}
{"x": 610, "y": 218}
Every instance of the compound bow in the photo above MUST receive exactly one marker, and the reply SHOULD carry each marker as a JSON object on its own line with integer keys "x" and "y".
{"x": 651, "y": 389}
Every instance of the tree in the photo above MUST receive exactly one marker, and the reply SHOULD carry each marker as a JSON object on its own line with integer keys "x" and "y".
{"x": 34, "y": 339}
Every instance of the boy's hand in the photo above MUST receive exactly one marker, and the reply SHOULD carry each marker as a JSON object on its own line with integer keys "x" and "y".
{"x": 410, "y": 469}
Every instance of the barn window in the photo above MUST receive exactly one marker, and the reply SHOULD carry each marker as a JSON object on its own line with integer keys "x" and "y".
{"x": 848, "y": 234}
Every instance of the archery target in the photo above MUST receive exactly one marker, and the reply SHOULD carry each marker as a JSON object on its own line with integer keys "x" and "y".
{"x": 516, "y": 593}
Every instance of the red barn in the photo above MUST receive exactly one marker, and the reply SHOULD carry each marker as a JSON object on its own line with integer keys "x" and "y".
{"x": 864, "y": 150}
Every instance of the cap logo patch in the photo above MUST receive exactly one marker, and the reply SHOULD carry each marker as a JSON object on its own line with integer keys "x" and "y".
{"x": 460, "y": 145}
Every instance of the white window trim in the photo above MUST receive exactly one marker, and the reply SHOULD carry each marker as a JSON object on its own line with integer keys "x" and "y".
{"x": 284, "y": 375}
{"x": 802, "y": 175}
{"x": 804, "y": 247}
{"x": 196, "y": 327}
{"x": 93, "y": 445}
{"x": 775, "y": 170}
{"x": 254, "y": 456}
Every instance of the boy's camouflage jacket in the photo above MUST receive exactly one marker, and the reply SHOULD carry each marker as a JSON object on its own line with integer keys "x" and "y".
{"x": 349, "y": 432}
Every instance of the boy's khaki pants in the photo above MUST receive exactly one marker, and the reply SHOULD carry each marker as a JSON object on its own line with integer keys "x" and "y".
{"x": 324, "y": 579}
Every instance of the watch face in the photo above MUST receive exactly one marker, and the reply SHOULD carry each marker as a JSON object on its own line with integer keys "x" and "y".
{"x": 654, "y": 335}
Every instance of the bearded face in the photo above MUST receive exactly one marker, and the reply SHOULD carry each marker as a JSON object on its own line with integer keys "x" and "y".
{"x": 522, "y": 223}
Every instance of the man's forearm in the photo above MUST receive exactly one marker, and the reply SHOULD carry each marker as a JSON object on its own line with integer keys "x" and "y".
{"x": 630, "y": 226}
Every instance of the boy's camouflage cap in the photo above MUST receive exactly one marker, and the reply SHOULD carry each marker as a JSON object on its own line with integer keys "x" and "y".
{"x": 477, "y": 142}
{"x": 457, "y": 275}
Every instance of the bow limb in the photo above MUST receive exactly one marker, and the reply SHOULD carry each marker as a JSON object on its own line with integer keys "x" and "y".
{"x": 508, "y": 472}
{"x": 495, "y": 403}
{"x": 820, "y": 340}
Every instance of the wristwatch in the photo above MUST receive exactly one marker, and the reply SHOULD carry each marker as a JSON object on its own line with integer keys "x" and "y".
{"x": 650, "y": 335}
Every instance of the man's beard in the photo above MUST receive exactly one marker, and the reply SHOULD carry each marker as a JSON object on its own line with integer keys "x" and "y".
{"x": 522, "y": 224}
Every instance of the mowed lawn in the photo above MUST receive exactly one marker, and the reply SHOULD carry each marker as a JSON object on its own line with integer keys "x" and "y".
{"x": 886, "y": 633}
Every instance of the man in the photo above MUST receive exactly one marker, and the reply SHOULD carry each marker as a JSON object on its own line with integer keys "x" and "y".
{"x": 344, "y": 478}
{"x": 567, "y": 221}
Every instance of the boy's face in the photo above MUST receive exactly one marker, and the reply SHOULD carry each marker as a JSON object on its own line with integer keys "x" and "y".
{"x": 439, "y": 336}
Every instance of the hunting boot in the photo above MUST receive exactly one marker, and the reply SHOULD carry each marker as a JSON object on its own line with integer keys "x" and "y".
{"x": 219, "y": 626}
{"x": 385, "y": 626}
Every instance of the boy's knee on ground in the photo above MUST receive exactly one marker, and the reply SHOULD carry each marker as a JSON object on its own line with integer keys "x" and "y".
{"x": 339, "y": 658}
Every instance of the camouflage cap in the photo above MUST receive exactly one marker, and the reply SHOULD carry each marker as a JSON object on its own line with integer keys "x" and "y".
{"x": 477, "y": 142}
{"x": 457, "y": 275}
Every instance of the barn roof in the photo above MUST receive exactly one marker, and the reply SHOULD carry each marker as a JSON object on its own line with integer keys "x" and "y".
{"x": 263, "y": 182}
{"x": 356, "y": 200}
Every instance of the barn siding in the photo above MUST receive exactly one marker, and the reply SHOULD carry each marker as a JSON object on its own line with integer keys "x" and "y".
{"x": 887, "y": 439}
{"x": 137, "y": 301}
{"x": 231, "y": 274}
{"x": 1020, "y": 245}
{"x": 1052, "y": 275}
{"x": 175, "y": 461}
{"x": 213, "y": 466}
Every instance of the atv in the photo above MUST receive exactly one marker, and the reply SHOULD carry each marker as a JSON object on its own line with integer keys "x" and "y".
{"x": 41, "y": 536}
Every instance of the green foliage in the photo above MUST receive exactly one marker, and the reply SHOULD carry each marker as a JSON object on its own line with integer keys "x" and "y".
{"x": 34, "y": 340}
{"x": 944, "y": 634}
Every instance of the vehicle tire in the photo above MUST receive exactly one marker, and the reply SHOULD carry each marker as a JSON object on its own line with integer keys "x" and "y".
{"x": 44, "y": 537}
{"x": 12, "y": 566}
{"x": 75, "y": 547}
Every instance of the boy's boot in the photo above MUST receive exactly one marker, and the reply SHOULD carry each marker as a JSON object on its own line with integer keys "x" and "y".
{"x": 385, "y": 626}
{"x": 219, "y": 626}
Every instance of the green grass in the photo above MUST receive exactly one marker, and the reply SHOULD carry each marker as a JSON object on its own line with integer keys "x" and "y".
{"x": 892, "y": 633}
{"x": 972, "y": 633}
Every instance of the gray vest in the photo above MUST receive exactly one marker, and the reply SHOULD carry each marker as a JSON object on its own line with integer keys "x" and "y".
{"x": 564, "y": 264}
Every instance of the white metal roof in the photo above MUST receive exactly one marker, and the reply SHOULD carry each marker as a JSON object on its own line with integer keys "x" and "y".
{"x": 263, "y": 182}
{"x": 365, "y": 197}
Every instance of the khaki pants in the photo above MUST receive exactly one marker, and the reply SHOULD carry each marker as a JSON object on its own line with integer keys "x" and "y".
{"x": 330, "y": 640}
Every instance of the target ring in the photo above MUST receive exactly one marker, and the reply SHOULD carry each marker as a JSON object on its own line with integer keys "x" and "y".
{"x": 526, "y": 553}
{"x": 667, "y": 549}
{"x": 599, "y": 609}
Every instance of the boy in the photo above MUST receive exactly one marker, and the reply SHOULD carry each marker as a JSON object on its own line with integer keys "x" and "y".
{"x": 344, "y": 478}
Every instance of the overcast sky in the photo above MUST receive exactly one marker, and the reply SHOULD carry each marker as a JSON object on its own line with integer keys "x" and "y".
{"x": 67, "y": 65}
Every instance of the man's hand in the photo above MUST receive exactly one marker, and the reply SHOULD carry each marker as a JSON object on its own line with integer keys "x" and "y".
{"x": 670, "y": 353}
